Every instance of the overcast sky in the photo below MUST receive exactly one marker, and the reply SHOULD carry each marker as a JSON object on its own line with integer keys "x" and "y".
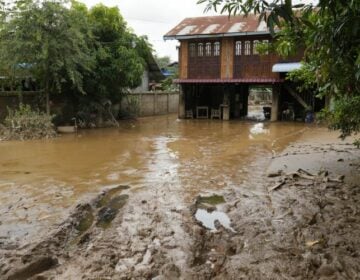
{"x": 154, "y": 18}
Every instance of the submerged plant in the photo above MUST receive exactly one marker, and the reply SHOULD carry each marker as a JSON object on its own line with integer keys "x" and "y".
{"x": 24, "y": 123}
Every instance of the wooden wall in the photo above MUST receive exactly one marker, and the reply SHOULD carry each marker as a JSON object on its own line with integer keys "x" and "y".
{"x": 228, "y": 65}
{"x": 255, "y": 66}
{"x": 204, "y": 67}
{"x": 227, "y": 58}
{"x": 183, "y": 61}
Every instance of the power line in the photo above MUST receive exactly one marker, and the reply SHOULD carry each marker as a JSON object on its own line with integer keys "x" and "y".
{"x": 148, "y": 20}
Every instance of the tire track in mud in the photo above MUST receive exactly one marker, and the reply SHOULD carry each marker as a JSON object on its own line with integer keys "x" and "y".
{"x": 145, "y": 239}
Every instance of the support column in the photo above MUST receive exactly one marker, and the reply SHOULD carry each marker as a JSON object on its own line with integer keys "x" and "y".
{"x": 246, "y": 94}
{"x": 155, "y": 104}
{"x": 181, "y": 112}
{"x": 275, "y": 102}
{"x": 226, "y": 107}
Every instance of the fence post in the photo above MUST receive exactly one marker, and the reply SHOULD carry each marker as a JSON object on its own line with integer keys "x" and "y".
{"x": 168, "y": 100}
{"x": 154, "y": 98}
{"x": 140, "y": 104}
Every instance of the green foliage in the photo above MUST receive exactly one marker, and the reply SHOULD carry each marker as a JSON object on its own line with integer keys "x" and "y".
{"x": 162, "y": 61}
{"x": 168, "y": 85}
{"x": 345, "y": 116}
{"x": 24, "y": 123}
{"x": 303, "y": 77}
{"x": 132, "y": 107}
{"x": 90, "y": 54}
{"x": 120, "y": 56}
{"x": 46, "y": 36}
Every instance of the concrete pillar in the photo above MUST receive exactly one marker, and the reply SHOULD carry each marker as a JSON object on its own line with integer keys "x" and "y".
{"x": 140, "y": 111}
{"x": 181, "y": 112}
{"x": 246, "y": 94}
{"x": 275, "y": 102}
{"x": 226, "y": 107}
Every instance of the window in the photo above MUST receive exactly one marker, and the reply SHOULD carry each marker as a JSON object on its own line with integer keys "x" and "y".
{"x": 238, "y": 48}
{"x": 200, "y": 49}
{"x": 247, "y": 48}
{"x": 192, "y": 50}
{"x": 255, "y": 44}
{"x": 208, "y": 49}
{"x": 266, "y": 43}
{"x": 216, "y": 48}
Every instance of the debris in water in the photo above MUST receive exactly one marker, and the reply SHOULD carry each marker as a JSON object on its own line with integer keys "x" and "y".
{"x": 312, "y": 243}
{"x": 208, "y": 219}
{"x": 278, "y": 185}
{"x": 259, "y": 129}
{"x": 275, "y": 174}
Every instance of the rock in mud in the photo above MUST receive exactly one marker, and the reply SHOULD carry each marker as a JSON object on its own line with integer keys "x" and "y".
{"x": 170, "y": 272}
{"x": 36, "y": 267}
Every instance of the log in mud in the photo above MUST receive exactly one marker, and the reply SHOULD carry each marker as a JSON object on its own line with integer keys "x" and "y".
{"x": 290, "y": 210}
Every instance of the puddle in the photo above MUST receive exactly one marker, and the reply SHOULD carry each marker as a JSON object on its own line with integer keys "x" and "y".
{"x": 105, "y": 200}
{"x": 86, "y": 221}
{"x": 208, "y": 219}
{"x": 108, "y": 213}
{"x": 212, "y": 200}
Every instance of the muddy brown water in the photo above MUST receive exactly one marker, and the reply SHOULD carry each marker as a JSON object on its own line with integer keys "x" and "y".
{"x": 41, "y": 180}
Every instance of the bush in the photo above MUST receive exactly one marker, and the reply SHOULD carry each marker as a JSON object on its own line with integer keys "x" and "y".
{"x": 131, "y": 107}
{"x": 344, "y": 117}
{"x": 25, "y": 123}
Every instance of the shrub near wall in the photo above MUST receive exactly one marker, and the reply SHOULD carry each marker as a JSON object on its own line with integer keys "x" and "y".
{"x": 25, "y": 124}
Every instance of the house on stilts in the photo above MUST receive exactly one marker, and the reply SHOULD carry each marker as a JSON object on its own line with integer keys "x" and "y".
{"x": 219, "y": 63}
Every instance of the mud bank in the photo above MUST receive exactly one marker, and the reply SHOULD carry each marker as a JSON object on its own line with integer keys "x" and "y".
{"x": 293, "y": 215}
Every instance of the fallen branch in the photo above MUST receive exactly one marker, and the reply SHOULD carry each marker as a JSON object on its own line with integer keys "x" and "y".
{"x": 301, "y": 175}
{"x": 339, "y": 179}
{"x": 300, "y": 170}
{"x": 275, "y": 174}
{"x": 277, "y": 186}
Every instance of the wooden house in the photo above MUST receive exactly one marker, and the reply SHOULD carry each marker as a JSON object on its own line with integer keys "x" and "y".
{"x": 219, "y": 61}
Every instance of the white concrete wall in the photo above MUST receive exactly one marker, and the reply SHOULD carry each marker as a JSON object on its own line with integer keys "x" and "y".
{"x": 154, "y": 103}
{"x": 144, "y": 83}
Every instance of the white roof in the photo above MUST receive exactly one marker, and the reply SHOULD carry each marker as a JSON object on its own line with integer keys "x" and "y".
{"x": 286, "y": 67}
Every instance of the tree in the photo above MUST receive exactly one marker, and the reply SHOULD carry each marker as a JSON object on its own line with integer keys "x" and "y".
{"x": 120, "y": 55}
{"x": 330, "y": 34}
{"x": 46, "y": 36}
{"x": 162, "y": 61}
{"x": 89, "y": 54}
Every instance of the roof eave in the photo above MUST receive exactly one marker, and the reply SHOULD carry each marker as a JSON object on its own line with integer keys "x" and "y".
{"x": 220, "y": 35}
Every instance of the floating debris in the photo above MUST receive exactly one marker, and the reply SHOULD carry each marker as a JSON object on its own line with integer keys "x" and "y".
{"x": 208, "y": 219}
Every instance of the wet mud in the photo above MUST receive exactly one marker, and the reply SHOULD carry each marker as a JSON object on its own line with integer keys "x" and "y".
{"x": 194, "y": 200}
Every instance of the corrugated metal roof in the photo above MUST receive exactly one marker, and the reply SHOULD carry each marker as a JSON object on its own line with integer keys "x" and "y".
{"x": 217, "y": 26}
{"x": 229, "y": 81}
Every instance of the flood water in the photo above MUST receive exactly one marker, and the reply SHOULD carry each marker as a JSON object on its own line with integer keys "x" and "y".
{"x": 39, "y": 180}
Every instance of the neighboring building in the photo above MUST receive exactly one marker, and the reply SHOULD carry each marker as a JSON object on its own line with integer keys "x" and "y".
{"x": 218, "y": 61}
{"x": 151, "y": 77}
